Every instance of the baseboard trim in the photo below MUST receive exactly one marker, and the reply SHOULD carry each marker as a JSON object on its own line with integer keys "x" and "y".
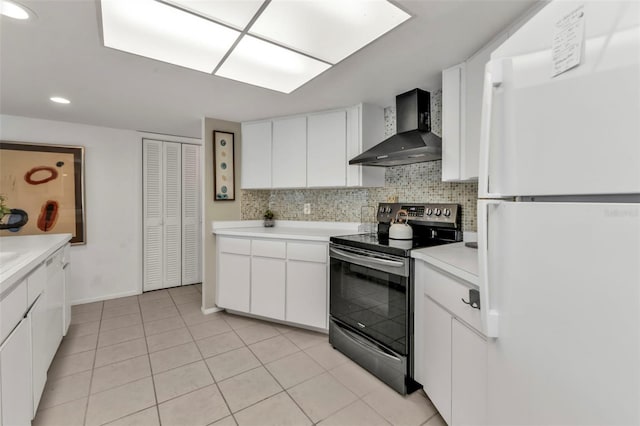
{"x": 102, "y": 298}
{"x": 208, "y": 311}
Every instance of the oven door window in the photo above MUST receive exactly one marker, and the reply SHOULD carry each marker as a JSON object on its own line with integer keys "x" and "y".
{"x": 371, "y": 301}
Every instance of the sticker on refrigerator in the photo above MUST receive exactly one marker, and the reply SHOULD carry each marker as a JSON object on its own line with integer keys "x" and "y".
{"x": 568, "y": 39}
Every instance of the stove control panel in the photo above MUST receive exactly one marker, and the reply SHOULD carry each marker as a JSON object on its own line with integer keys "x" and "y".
{"x": 435, "y": 214}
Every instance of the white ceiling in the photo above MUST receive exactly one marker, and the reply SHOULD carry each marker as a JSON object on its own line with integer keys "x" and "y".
{"x": 61, "y": 53}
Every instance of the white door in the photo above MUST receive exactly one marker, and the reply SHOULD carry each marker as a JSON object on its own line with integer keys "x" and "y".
{"x": 191, "y": 222}
{"x": 326, "y": 149}
{"x": 172, "y": 214}
{"x": 468, "y": 376}
{"x": 307, "y": 293}
{"x": 152, "y": 154}
{"x": 55, "y": 304}
{"x": 577, "y": 132}
{"x": 40, "y": 361}
{"x": 563, "y": 279}
{"x": 268, "y": 287}
{"x": 15, "y": 376}
{"x": 289, "y": 153}
{"x": 256, "y": 155}
{"x": 234, "y": 282}
{"x": 436, "y": 364}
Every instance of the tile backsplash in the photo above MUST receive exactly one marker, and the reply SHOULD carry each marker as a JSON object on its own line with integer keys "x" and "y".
{"x": 419, "y": 182}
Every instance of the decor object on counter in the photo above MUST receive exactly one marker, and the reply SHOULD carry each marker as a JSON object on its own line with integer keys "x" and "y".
{"x": 3, "y": 207}
{"x": 44, "y": 182}
{"x": 224, "y": 180}
{"x": 269, "y": 222}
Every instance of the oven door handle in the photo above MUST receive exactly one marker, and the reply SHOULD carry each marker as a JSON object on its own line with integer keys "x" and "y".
{"x": 371, "y": 259}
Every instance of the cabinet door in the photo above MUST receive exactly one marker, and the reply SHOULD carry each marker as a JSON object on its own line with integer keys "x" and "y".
{"x": 39, "y": 360}
{"x": 436, "y": 364}
{"x": 256, "y": 155}
{"x": 15, "y": 376}
{"x": 307, "y": 293}
{"x": 172, "y": 214}
{"x": 267, "y": 287}
{"x": 326, "y": 149}
{"x": 152, "y": 213}
{"x": 289, "y": 153}
{"x": 452, "y": 121}
{"x": 234, "y": 281}
{"x": 469, "y": 376}
{"x": 191, "y": 235}
{"x": 474, "y": 82}
{"x": 54, "y": 304}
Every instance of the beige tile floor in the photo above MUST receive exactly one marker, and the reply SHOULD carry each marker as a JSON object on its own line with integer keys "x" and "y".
{"x": 156, "y": 359}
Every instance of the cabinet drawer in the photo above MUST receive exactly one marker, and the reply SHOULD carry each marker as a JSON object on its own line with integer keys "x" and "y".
{"x": 449, "y": 291}
{"x": 307, "y": 252}
{"x": 14, "y": 305}
{"x": 35, "y": 283}
{"x": 234, "y": 245}
{"x": 264, "y": 248}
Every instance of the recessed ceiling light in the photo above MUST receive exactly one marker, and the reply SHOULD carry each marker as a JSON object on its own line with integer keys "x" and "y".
{"x": 162, "y": 32}
{"x": 59, "y": 100}
{"x": 14, "y": 10}
{"x": 264, "y": 64}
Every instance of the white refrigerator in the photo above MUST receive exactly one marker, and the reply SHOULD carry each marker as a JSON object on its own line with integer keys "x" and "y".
{"x": 559, "y": 218}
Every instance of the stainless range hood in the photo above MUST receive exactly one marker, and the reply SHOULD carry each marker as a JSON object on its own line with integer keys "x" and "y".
{"x": 414, "y": 142}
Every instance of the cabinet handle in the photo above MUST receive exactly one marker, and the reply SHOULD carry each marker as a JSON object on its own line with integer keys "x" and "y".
{"x": 474, "y": 299}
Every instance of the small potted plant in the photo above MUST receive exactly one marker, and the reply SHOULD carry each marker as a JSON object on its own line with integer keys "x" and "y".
{"x": 3, "y": 207}
{"x": 268, "y": 219}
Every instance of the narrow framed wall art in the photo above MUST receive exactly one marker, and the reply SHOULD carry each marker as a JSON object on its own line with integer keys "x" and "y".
{"x": 42, "y": 187}
{"x": 223, "y": 166}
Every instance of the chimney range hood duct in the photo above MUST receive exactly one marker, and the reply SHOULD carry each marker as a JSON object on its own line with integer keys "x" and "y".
{"x": 414, "y": 142}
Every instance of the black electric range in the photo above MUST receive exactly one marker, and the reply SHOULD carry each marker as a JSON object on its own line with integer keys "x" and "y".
{"x": 371, "y": 289}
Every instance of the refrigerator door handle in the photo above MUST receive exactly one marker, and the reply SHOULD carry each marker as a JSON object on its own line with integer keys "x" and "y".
{"x": 493, "y": 77}
{"x": 490, "y": 316}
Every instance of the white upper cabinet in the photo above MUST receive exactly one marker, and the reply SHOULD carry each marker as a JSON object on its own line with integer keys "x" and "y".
{"x": 326, "y": 153}
{"x": 256, "y": 155}
{"x": 312, "y": 150}
{"x": 289, "y": 153}
{"x": 365, "y": 129}
{"x": 453, "y": 99}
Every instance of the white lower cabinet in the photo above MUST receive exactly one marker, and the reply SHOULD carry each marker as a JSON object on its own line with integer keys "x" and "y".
{"x": 307, "y": 293}
{"x": 15, "y": 376}
{"x": 39, "y": 359}
{"x": 274, "y": 278}
{"x": 268, "y": 287}
{"x": 54, "y": 303}
{"x": 468, "y": 376}
{"x": 451, "y": 354}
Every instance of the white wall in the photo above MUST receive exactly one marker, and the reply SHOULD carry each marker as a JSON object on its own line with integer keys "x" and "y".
{"x": 110, "y": 263}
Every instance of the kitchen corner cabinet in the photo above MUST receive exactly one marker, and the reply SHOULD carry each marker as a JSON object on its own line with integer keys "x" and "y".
{"x": 462, "y": 87}
{"x": 276, "y": 279}
{"x": 451, "y": 353}
{"x": 171, "y": 214}
{"x": 312, "y": 150}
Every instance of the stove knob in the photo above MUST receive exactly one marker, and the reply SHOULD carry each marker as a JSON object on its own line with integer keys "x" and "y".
{"x": 388, "y": 209}
{"x": 429, "y": 212}
{"x": 446, "y": 212}
{"x": 437, "y": 212}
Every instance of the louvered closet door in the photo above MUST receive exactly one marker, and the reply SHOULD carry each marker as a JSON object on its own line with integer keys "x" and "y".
{"x": 153, "y": 211}
{"x": 172, "y": 213}
{"x": 191, "y": 235}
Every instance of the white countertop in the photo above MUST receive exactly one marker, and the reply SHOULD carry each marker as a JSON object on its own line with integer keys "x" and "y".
{"x": 20, "y": 254}
{"x": 454, "y": 258}
{"x": 285, "y": 229}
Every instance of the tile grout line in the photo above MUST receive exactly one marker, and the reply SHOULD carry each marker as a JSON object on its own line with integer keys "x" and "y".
{"x": 95, "y": 356}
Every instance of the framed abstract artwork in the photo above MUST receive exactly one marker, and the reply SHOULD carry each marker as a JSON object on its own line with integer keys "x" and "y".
{"x": 42, "y": 187}
{"x": 224, "y": 181}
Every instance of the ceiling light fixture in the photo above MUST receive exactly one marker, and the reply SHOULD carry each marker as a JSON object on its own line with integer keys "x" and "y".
{"x": 14, "y": 10}
{"x": 276, "y": 44}
{"x": 59, "y": 100}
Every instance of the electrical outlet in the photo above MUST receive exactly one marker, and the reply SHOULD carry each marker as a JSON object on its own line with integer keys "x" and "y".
{"x": 307, "y": 208}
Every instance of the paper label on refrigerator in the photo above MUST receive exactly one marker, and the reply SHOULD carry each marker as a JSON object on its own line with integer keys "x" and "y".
{"x": 568, "y": 39}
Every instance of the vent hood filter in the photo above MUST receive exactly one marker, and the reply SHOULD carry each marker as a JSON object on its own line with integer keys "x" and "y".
{"x": 414, "y": 142}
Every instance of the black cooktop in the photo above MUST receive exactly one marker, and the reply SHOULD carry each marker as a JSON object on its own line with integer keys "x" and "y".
{"x": 382, "y": 243}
